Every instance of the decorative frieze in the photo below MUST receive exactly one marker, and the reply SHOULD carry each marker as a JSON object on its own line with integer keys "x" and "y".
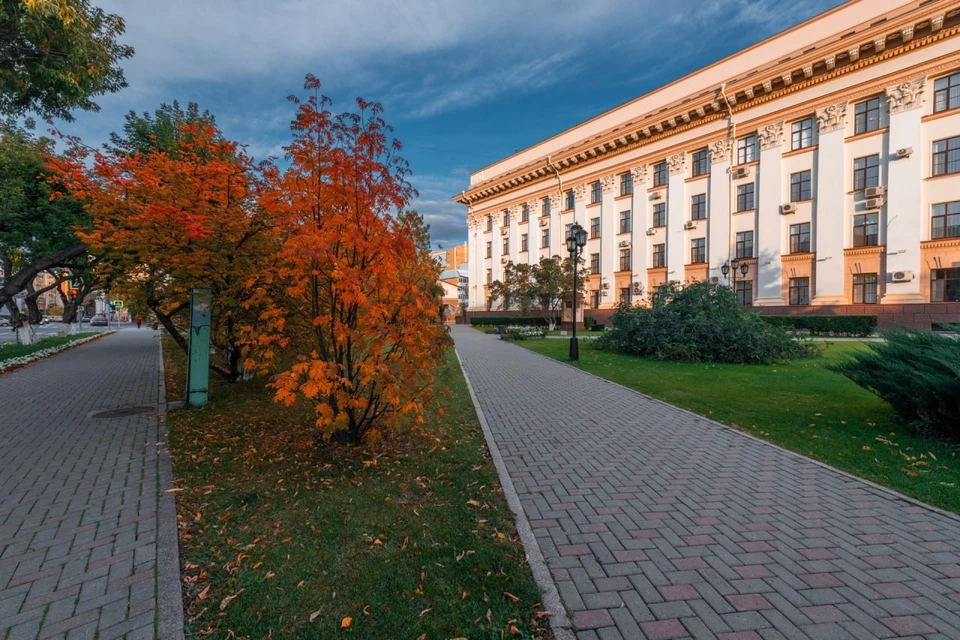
{"x": 580, "y": 192}
{"x": 906, "y": 95}
{"x": 554, "y": 202}
{"x": 720, "y": 150}
{"x": 771, "y": 135}
{"x": 639, "y": 174}
{"x": 677, "y": 163}
{"x": 609, "y": 183}
{"x": 832, "y": 117}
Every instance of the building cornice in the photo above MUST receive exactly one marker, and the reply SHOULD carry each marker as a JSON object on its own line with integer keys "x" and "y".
{"x": 873, "y": 45}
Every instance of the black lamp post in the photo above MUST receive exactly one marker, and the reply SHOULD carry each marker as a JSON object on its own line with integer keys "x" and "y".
{"x": 576, "y": 241}
{"x": 731, "y": 268}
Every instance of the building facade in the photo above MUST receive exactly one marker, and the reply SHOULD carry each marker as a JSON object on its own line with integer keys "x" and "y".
{"x": 826, "y": 159}
{"x": 454, "y": 278}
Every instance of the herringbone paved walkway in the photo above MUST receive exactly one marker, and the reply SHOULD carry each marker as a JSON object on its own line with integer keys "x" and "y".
{"x": 79, "y": 494}
{"x": 659, "y": 524}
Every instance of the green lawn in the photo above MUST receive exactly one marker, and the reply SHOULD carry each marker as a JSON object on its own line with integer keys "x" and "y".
{"x": 410, "y": 537}
{"x": 8, "y": 351}
{"x": 801, "y": 406}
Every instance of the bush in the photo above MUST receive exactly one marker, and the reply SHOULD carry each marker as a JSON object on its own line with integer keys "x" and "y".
{"x": 523, "y": 333}
{"x": 598, "y": 327}
{"x": 498, "y": 321}
{"x": 853, "y": 326}
{"x": 589, "y": 323}
{"x": 918, "y": 373}
{"x": 700, "y": 322}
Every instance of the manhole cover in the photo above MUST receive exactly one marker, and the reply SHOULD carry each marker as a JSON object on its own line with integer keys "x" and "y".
{"x": 123, "y": 412}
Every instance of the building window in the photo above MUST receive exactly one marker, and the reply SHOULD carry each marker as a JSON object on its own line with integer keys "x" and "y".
{"x": 626, "y": 183}
{"x": 545, "y": 239}
{"x": 489, "y": 276}
{"x": 946, "y": 220}
{"x": 489, "y": 223}
{"x": 525, "y": 242}
{"x": 594, "y": 263}
{"x": 800, "y": 291}
{"x": 569, "y": 199}
{"x": 525, "y": 213}
{"x": 625, "y": 263}
{"x": 946, "y": 156}
{"x": 747, "y": 149}
{"x": 596, "y": 192}
{"x": 745, "y": 197}
{"x": 800, "y": 238}
{"x": 660, "y": 215}
{"x": 865, "y": 228}
{"x": 745, "y": 292}
{"x": 867, "y": 116}
{"x": 506, "y": 218}
{"x": 698, "y": 251}
{"x": 744, "y": 244}
{"x": 661, "y": 174}
{"x": 624, "y": 295}
{"x": 566, "y": 230}
{"x": 545, "y": 207}
{"x": 625, "y": 221}
{"x": 864, "y": 288}
{"x": 659, "y": 255}
{"x": 945, "y": 285}
{"x": 701, "y": 162}
{"x": 946, "y": 93}
{"x": 801, "y": 134}
{"x": 489, "y": 249}
{"x": 698, "y": 207}
{"x": 506, "y": 246}
{"x": 594, "y": 227}
{"x": 866, "y": 172}
{"x": 595, "y": 299}
{"x": 800, "y": 186}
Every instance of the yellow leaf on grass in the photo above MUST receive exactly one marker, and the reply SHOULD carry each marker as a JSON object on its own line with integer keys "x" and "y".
{"x": 315, "y": 614}
{"x": 473, "y": 503}
{"x": 226, "y": 601}
{"x": 203, "y": 594}
{"x": 511, "y": 596}
{"x": 346, "y": 622}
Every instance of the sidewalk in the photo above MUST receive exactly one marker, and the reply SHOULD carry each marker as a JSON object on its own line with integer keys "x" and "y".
{"x": 80, "y": 497}
{"x": 659, "y": 524}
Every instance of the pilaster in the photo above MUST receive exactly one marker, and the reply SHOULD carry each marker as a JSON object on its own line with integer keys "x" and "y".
{"x": 609, "y": 254}
{"x": 829, "y": 218}
{"x": 718, "y": 202}
{"x": 677, "y": 244}
{"x": 769, "y": 229}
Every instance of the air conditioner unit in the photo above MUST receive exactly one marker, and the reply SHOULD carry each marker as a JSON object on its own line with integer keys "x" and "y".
{"x": 689, "y": 224}
{"x": 906, "y": 152}
{"x": 656, "y": 195}
{"x": 624, "y": 243}
{"x": 874, "y": 203}
{"x": 605, "y": 285}
{"x": 788, "y": 208}
{"x": 504, "y": 260}
{"x": 544, "y": 223}
{"x": 741, "y": 172}
{"x": 636, "y": 288}
{"x": 651, "y": 231}
{"x": 875, "y": 192}
{"x": 902, "y": 276}
{"x": 714, "y": 280}
{"x": 504, "y": 231}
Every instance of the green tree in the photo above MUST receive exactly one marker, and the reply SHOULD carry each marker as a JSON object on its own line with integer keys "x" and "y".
{"x": 164, "y": 130}
{"x": 55, "y": 55}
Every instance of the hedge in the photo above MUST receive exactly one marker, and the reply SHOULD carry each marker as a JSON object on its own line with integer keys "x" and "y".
{"x": 499, "y": 321}
{"x": 854, "y": 326}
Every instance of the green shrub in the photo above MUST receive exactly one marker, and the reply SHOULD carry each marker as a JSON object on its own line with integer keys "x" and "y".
{"x": 853, "y": 326}
{"x": 500, "y": 321}
{"x": 598, "y": 327}
{"x": 589, "y": 323}
{"x": 918, "y": 373}
{"x": 517, "y": 332}
{"x": 700, "y": 322}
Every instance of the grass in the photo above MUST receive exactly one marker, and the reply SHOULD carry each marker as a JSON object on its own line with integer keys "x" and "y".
{"x": 283, "y": 538}
{"x": 800, "y": 406}
{"x": 12, "y": 350}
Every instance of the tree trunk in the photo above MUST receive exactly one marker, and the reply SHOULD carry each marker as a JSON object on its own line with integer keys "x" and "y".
{"x": 17, "y": 282}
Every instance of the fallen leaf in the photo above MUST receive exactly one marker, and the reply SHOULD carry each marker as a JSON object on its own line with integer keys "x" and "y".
{"x": 425, "y": 612}
{"x": 226, "y": 601}
{"x": 315, "y": 614}
{"x": 511, "y": 596}
{"x": 346, "y": 622}
{"x": 203, "y": 594}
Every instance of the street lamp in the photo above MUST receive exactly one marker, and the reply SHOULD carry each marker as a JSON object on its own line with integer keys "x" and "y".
{"x": 576, "y": 241}
{"x": 731, "y": 268}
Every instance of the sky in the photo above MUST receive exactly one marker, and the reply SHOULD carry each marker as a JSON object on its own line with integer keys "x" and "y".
{"x": 464, "y": 82}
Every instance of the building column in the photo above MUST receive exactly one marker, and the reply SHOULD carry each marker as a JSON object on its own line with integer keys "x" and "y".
{"x": 718, "y": 206}
{"x": 476, "y": 264}
{"x": 769, "y": 233}
{"x": 609, "y": 254}
{"x": 558, "y": 246}
{"x": 677, "y": 245}
{"x": 905, "y": 177}
{"x": 639, "y": 244}
{"x": 829, "y": 220}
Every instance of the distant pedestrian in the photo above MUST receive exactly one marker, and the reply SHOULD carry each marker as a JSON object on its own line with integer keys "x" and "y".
{"x": 139, "y": 320}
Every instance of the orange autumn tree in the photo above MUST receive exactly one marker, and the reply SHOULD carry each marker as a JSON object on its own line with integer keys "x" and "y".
{"x": 174, "y": 218}
{"x": 351, "y": 305}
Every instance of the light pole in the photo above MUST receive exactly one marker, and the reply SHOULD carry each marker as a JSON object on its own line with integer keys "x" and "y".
{"x": 576, "y": 241}
{"x": 732, "y": 267}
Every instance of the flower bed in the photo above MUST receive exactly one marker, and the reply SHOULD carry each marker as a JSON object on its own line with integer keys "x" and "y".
{"x": 9, "y": 364}
{"x": 523, "y": 333}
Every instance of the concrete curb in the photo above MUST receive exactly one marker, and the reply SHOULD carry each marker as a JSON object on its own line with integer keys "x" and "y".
{"x": 559, "y": 621}
{"x": 879, "y": 487}
{"x": 169, "y": 596}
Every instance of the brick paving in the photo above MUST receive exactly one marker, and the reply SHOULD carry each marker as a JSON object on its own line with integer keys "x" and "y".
{"x": 656, "y": 523}
{"x": 79, "y": 500}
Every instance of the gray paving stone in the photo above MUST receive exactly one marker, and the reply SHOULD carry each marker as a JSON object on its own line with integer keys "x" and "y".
{"x": 647, "y": 492}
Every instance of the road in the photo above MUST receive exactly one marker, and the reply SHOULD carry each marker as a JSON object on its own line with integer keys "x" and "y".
{"x": 7, "y": 335}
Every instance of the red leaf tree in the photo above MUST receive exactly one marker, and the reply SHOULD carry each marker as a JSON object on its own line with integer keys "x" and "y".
{"x": 351, "y": 305}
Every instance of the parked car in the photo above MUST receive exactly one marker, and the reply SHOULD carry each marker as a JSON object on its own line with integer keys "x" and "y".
{"x": 98, "y": 321}
{"x": 4, "y": 321}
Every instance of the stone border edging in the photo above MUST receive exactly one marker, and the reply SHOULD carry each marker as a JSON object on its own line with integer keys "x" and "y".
{"x": 824, "y": 465}
{"x": 559, "y": 621}
{"x": 169, "y": 596}
{"x": 36, "y": 356}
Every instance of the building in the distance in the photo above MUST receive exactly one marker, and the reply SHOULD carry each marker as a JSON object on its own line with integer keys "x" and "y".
{"x": 825, "y": 158}
{"x": 454, "y": 278}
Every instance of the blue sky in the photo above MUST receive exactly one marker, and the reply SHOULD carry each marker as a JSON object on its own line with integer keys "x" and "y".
{"x": 464, "y": 82}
